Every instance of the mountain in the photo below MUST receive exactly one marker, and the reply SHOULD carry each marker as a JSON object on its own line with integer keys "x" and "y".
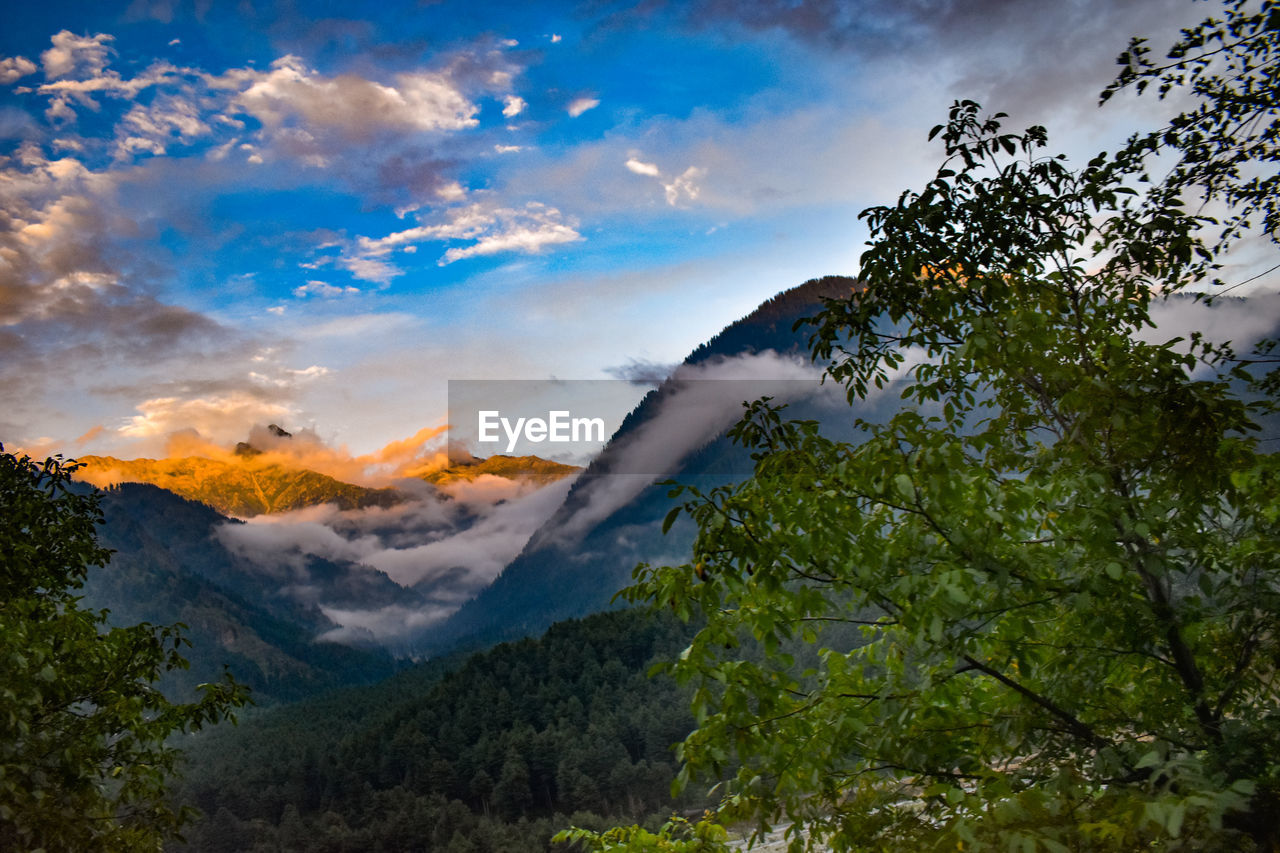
{"x": 170, "y": 565}
{"x": 612, "y": 518}
{"x": 533, "y": 469}
{"x": 243, "y": 485}
{"x": 578, "y": 559}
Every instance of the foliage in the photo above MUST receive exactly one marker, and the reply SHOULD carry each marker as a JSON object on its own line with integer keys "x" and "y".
{"x": 83, "y": 755}
{"x": 1061, "y": 553}
{"x": 1231, "y": 65}
{"x": 676, "y": 836}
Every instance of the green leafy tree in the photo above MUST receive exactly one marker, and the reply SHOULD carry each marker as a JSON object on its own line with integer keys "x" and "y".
{"x": 83, "y": 754}
{"x": 1226, "y": 144}
{"x": 1060, "y": 554}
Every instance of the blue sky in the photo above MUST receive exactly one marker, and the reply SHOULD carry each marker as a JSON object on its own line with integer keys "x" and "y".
{"x": 217, "y": 215}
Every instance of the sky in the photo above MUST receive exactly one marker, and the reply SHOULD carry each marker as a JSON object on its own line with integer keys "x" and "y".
{"x": 221, "y": 215}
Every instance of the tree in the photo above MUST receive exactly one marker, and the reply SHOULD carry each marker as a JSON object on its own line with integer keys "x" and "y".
{"x": 1232, "y": 66}
{"x": 83, "y": 754}
{"x": 1060, "y": 556}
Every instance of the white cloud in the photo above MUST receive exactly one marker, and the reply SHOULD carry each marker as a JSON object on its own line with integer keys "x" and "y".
{"x": 513, "y": 105}
{"x": 452, "y": 191}
{"x": 222, "y": 417}
{"x": 527, "y": 234}
{"x": 352, "y": 105}
{"x": 323, "y": 289}
{"x": 370, "y": 269}
{"x": 686, "y": 418}
{"x": 446, "y": 548}
{"x": 482, "y": 550}
{"x": 313, "y": 372}
{"x": 151, "y": 128}
{"x": 70, "y": 54}
{"x": 1241, "y": 322}
{"x": 685, "y": 186}
{"x": 15, "y": 68}
{"x": 490, "y": 229}
{"x": 580, "y": 105}
{"x": 641, "y": 168}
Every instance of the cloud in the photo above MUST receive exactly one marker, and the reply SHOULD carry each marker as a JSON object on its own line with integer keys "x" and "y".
{"x": 212, "y": 426}
{"x": 14, "y": 68}
{"x": 442, "y": 547}
{"x": 526, "y": 231}
{"x": 287, "y": 112}
{"x": 394, "y": 626}
{"x": 83, "y": 56}
{"x": 578, "y": 106}
{"x": 370, "y": 269}
{"x": 513, "y": 105}
{"x": 76, "y": 69}
{"x": 324, "y": 290}
{"x": 1019, "y": 56}
{"x": 481, "y": 550}
{"x": 352, "y": 106}
{"x": 697, "y": 406}
{"x": 153, "y": 128}
{"x": 685, "y": 186}
{"x": 1240, "y": 322}
{"x": 65, "y": 283}
{"x": 220, "y": 417}
{"x": 488, "y": 228}
{"x": 639, "y": 167}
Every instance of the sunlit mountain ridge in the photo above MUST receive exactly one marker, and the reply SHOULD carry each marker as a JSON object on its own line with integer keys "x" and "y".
{"x": 242, "y": 486}
{"x": 246, "y": 485}
{"x": 532, "y": 469}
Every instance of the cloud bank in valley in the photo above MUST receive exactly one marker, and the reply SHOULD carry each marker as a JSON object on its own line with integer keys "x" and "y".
{"x": 440, "y": 548}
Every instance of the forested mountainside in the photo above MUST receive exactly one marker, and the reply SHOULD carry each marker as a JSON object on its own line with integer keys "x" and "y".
{"x": 170, "y": 566}
{"x": 494, "y": 755}
{"x": 556, "y": 577}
